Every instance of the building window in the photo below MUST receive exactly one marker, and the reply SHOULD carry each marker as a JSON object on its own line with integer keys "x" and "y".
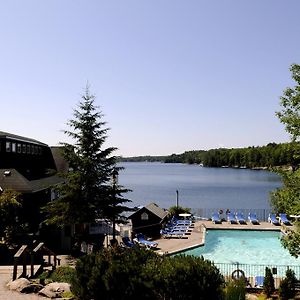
{"x": 144, "y": 216}
{"x": 28, "y": 149}
{"x": 23, "y": 148}
{"x": 13, "y": 147}
{"x": 8, "y": 146}
{"x": 32, "y": 149}
{"x": 35, "y": 150}
{"x": 19, "y": 148}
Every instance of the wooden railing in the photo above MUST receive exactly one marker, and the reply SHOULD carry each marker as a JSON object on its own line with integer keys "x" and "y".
{"x": 31, "y": 257}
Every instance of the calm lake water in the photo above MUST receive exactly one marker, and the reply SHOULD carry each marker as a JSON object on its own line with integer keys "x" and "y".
{"x": 198, "y": 187}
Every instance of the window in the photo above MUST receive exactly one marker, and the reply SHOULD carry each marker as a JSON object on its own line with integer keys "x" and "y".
{"x": 28, "y": 149}
{"x": 144, "y": 216}
{"x": 23, "y": 148}
{"x": 32, "y": 149}
{"x": 13, "y": 147}
{"x": 35, "y": 150}
{"x": 19, "y": 148}
{"x": 8, "y": 146}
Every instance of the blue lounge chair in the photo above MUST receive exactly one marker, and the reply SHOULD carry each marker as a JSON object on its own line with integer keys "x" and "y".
{"x": 127, "y": 242}
{"x": 240, "y": 218}
{"x": 231, "y": 218}
{"x": 272, "y": 219}
{"x": 283, "y": 219}
{"x": 252, "y": 218}
{"x": 259, "y": 281}
{"x": 143, "y": 242}
{"x": 216, "y": 218}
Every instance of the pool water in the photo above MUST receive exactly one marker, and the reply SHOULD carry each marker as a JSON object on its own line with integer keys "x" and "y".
{"x": 245, "y": 247}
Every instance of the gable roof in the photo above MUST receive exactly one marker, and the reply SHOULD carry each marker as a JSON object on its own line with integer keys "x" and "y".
{"x": 155, "y": 209}
{"x": 20, "y": 138}
{"x": 17, "y": 182}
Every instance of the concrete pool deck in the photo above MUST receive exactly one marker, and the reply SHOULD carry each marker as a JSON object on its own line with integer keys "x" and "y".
{"x": 197, "y": 236}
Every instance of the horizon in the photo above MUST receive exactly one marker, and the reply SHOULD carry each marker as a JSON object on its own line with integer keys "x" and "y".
{"x": 168, "y": 76}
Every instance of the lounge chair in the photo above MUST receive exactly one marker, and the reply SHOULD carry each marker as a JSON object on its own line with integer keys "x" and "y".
{"x": 231, "y": 218}
{"x": 283, "y": 219}
{"x": 216, "y": 218}
{"x": 272, "y": 219}
{"x": 126, "y": 242}
{"x": 259, "y": 281}
{"x": 140, "y": 239}
{"x": 252, "y": 218}
{"x": 240, "y": 218}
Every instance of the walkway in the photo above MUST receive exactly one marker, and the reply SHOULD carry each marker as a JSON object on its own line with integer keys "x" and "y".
{"x": 197, "y": 238}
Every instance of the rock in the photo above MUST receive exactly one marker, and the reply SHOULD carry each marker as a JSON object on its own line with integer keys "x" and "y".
{"x": 55, "y": 289}
{"x": 18, "y": 284}
{"x": 32, "y": 288}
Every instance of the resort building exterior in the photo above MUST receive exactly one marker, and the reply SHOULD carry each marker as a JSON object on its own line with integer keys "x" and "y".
{"x": 27, "y": 166}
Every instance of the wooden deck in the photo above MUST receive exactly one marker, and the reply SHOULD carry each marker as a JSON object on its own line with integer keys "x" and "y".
{"x": 197, "y": 236}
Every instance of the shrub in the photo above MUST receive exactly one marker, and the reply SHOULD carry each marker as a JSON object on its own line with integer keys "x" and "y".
{"x": 63, "y": 274}
{"x": 236, "y": 290}
{"x": 268, "y": 286}
{"x": 141, "y": 274}
{"x": 287, "y": 288}
{"x": 187, "y": 277}
{"x": 115, "y": 273}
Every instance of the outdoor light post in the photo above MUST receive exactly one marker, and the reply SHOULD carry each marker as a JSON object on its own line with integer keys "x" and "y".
{"x": 114, "y": 182}
{"x": 177, "y": 198}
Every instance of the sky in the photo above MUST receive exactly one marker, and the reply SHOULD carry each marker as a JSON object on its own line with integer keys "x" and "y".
{"x": 168, "y": 75}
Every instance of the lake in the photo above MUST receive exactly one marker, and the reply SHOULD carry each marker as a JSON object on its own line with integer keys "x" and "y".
{"x": 198, "y": 187}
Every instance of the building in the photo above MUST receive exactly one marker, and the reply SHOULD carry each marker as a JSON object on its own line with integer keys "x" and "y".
{"x": 27, "y": 166}
{"x": 148, "y": 219}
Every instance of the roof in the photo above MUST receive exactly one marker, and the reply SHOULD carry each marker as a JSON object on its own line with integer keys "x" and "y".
{"x": 17, "y": 182}
{"x": 20, "y": 138}
{"x": 60, "y": 162}
{"x": 155, "y": 209}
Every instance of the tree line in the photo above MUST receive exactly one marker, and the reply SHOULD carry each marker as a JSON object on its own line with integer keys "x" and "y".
{"x": 267, "y": 156}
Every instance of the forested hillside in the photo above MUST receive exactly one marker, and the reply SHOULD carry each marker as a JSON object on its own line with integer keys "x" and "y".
{"x": 270, "y": 155}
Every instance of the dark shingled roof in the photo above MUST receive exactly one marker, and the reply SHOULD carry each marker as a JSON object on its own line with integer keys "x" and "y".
{"x": 155, "y": 209}
{"x": 20, "y": 138}
{"x": 60, "y": 162}
{"x": 17, "y": 182}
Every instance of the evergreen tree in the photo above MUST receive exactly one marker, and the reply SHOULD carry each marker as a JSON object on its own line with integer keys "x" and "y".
{"x": 269, "y": 286}
{"x": 88, "y": 192}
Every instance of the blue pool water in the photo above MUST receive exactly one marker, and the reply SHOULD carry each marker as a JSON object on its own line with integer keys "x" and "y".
{"x": 244, "y": 247}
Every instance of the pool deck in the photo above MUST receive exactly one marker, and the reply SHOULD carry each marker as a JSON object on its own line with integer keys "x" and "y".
{"x": 197, "y": 236}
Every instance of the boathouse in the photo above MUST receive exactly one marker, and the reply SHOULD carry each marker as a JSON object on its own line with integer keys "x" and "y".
{"x": 148, "y": 219}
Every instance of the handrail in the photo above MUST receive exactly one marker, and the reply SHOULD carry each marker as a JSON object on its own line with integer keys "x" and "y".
{"x": 25, "y": 252}
{"x": 22, "y": 252}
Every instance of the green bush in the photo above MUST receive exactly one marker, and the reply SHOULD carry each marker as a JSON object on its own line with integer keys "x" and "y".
{"x": 141, "y": 274}
{"x": 269, "y": 286}
{"x": 287, "y": 288}
{"x": 115, "y": 273}
{"x": 236, "y": 290}
{"x": 63, "y": 274}
{"x": 188, "y": 277}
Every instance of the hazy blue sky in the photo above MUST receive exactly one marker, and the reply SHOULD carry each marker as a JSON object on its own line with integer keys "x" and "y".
{"x": 169, "y": 75}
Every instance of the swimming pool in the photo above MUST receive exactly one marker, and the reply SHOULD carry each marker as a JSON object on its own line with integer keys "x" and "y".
{"x": 249, "y": 247}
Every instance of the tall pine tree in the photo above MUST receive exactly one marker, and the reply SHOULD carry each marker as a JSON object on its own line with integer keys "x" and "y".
{"x": 88, "y": 192}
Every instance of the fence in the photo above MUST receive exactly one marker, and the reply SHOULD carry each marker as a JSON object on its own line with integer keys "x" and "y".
{"x": 256, "y": 270}
{"x": 262, "y": 214}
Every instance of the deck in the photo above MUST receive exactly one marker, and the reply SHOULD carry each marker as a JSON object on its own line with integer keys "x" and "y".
{"x": 197, "y": 236}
